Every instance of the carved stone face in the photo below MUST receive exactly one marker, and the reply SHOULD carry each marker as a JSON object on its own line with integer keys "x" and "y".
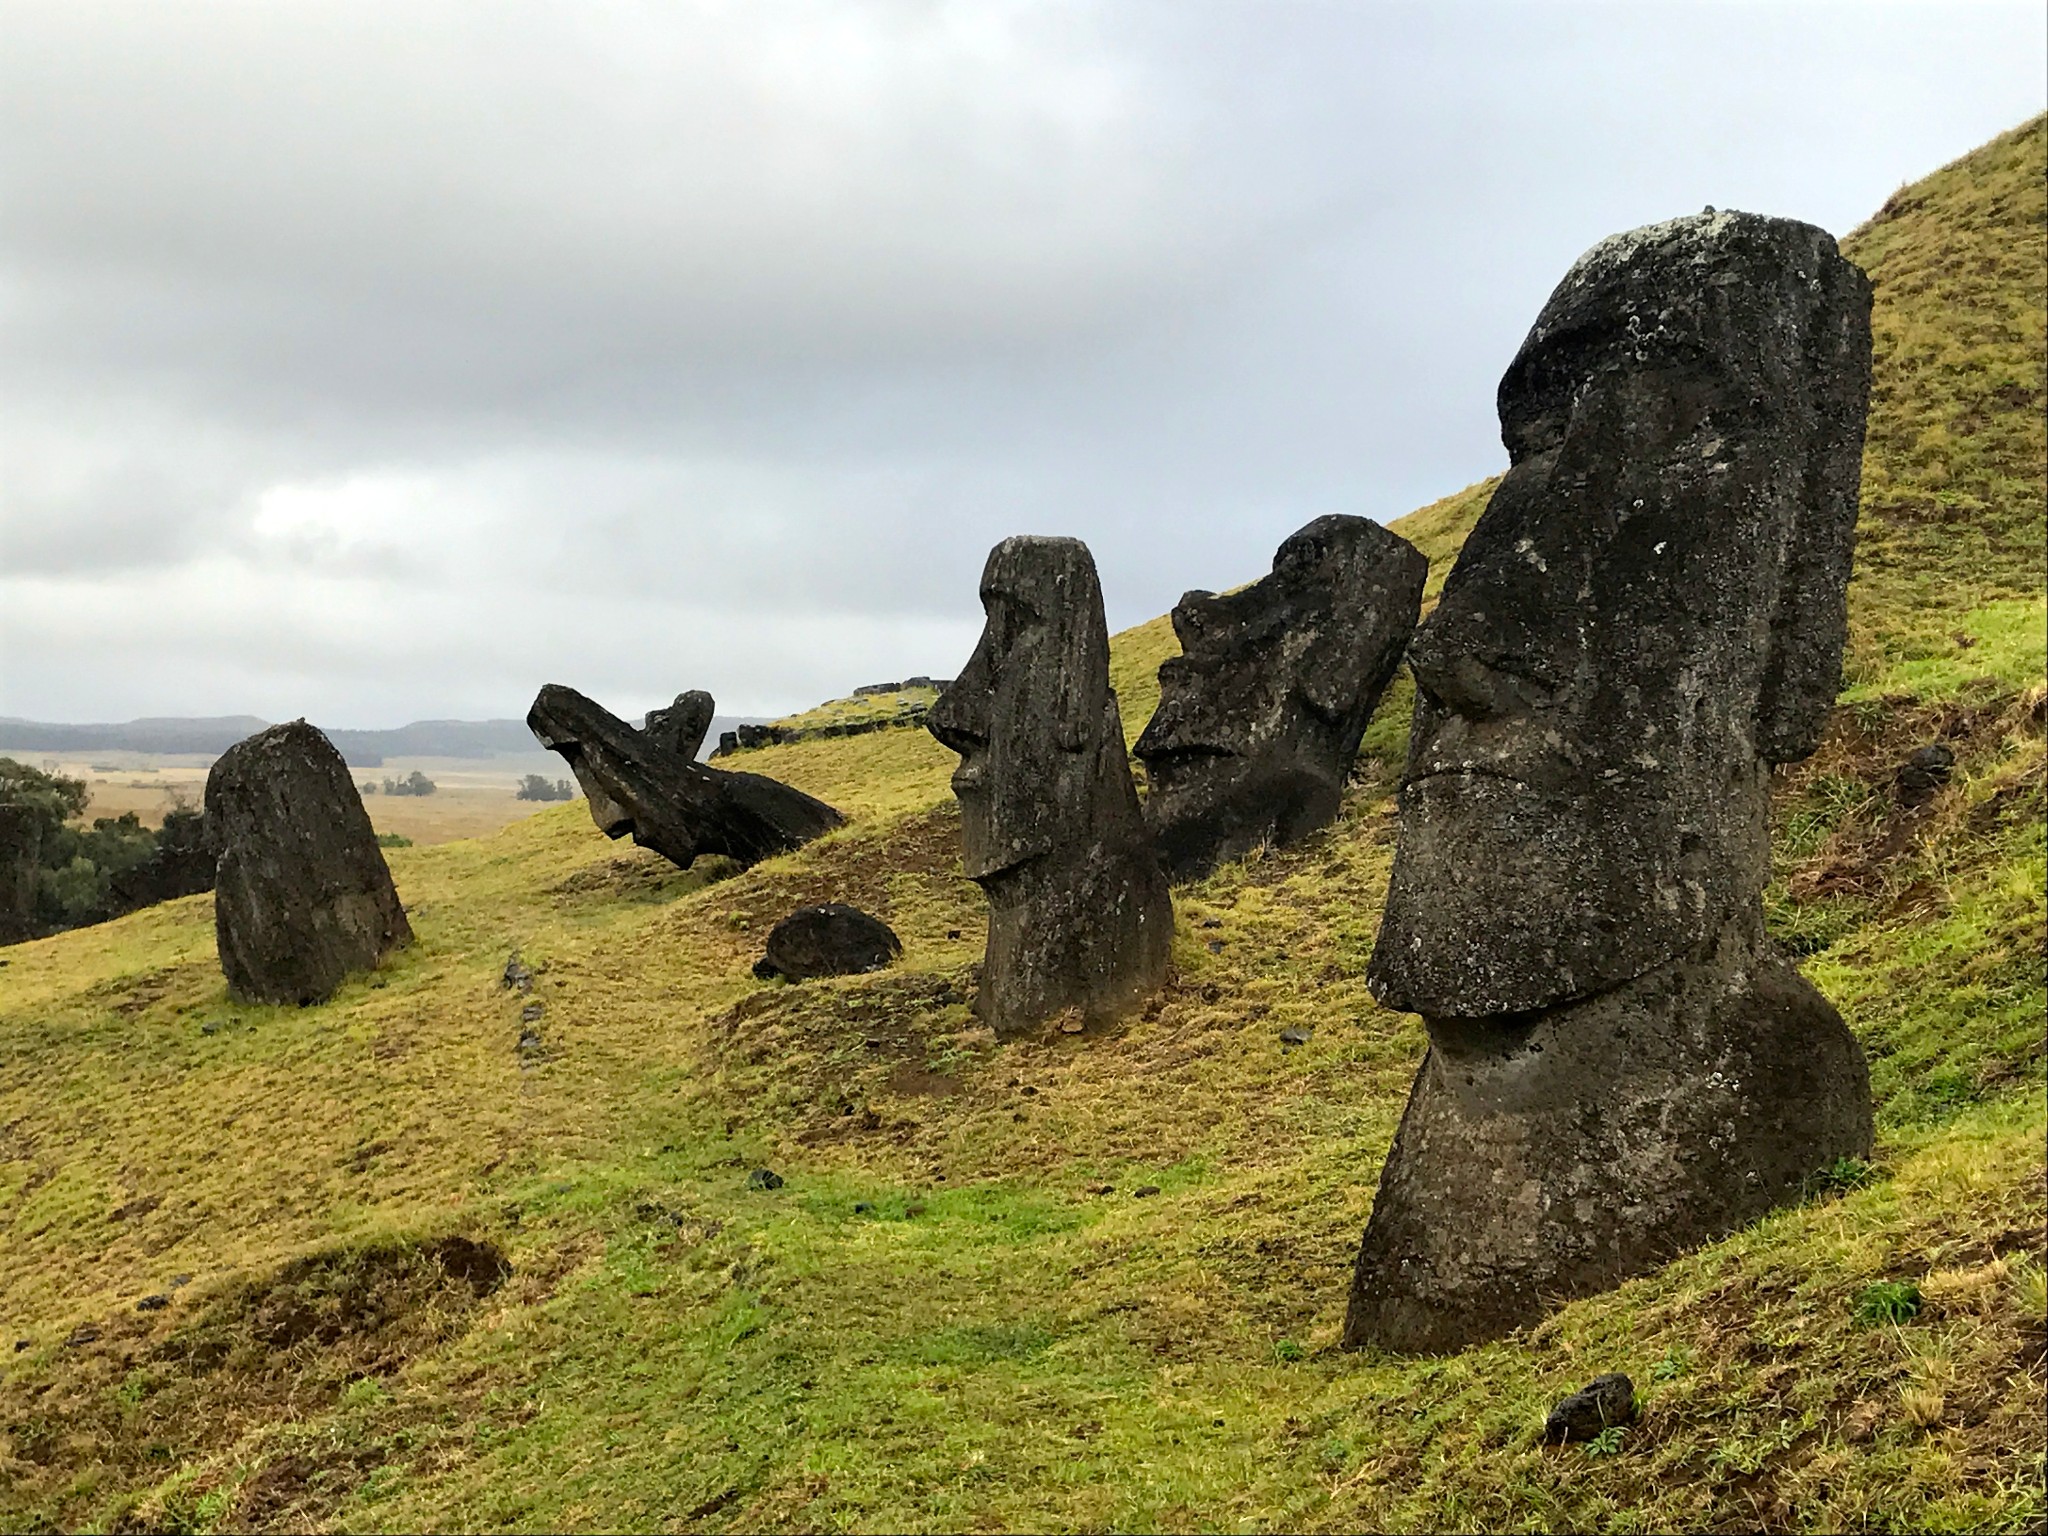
{"x": 1649, "y": 613}
{"x": 1042, "y": 758}
{"x": 1260, "y": 715}
{"x": 1079, "y": 915}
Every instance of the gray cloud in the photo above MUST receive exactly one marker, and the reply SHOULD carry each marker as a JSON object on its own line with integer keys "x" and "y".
{"x": 382, "y": 361}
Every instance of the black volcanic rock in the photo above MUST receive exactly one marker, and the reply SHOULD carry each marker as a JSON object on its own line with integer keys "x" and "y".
{"x": 829, "y": 940}
{"x": 1260, "y": 715}
{"x": 1079, "y": 915}
{"x": 677, "y": 807}
{"x": 302, "y": 895}
{"x": 1601, "y": 1404}
{"x": 680, "y": 728}
{"x": 1648, "y": 616}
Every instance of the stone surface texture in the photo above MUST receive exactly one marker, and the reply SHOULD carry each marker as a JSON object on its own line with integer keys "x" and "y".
{"x": 681, "y": 727}
{"x": 1260, "y": 715}
{"x": 1079, "y": 914}
{"x": 828, "y": 940}
{"x": 302, "y": 895}
{"x": 674, "y": 805}
{"x": 1648, "y": 616}
{"x": 1601, "y": 1404}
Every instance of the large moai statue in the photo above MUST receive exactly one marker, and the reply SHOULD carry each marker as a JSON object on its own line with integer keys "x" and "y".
{"x": 302, "y": 895}
{"x": 636, "y": 786}
{"x": 1260, "y": 715}
{"x": 1079, "y": 915}
{"x": 681, "y": 727}
{"x": 1648, "y": 616}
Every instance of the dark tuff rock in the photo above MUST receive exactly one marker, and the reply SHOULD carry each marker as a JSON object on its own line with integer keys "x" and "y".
{"x": 302, "y": 896}
{"x": 1649, "y": 614}
{"x": 677, "y": 807}
{"x": 1260, "y": 715}
{"x": 829, "y": 940}
{"x": 1602, "y": 1403}
{"x": 1079, "y": 915}
{"x": 680, "y": 728}
{"x": 1924, "y": 772}
{"x": 764, "y": 1178}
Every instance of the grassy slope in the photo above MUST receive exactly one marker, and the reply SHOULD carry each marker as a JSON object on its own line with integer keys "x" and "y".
{"x": 940, "y": 1321}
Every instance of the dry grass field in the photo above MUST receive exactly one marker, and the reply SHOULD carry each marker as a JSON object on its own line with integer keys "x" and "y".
{"x": 473, "y": 799}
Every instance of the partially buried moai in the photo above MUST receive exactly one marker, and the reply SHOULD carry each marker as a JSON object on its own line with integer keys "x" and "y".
{"x": 1079, "y": 915}
{"x": 1260, "y": 715}
{"x": 1649, "y": 615}
{"x": 302, "y": 895}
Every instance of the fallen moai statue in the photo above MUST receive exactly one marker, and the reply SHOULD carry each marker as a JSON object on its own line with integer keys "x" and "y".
{"x": 302, "y": 895}
{"x": 1260, "y": 715}
{"x": 681, "y": 727}
{"x": 1649, "y": 615}
{"x": 1079, "y": 915}
{"x": 674, "y": 805}
{"x": 832, "y": 939}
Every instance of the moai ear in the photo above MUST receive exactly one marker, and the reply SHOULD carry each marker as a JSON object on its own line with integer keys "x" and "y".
{"x": 1803, "y": 671}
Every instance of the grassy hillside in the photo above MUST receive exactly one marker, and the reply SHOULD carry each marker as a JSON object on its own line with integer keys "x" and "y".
{"x": 417, "y": 1258}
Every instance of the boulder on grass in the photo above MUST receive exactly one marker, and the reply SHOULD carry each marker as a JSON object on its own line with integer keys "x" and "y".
{"x": 302, "y": 895}
{"x": 829, "y": 940}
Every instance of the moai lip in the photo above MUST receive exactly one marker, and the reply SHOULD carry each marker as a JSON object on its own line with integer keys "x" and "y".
{"x": 1649, "y": 615}
{"x": 1260, "y": 716}
{"x": 1079, "y": 915}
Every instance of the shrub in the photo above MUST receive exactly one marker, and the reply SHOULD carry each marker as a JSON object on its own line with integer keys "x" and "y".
{"x": 534, "y": 787}
{"x": 414, "y": 783}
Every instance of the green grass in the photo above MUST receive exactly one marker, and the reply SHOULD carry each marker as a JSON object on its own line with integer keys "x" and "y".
{"x": 957, "y": 1311}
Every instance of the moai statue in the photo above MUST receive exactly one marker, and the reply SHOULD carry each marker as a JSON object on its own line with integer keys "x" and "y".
{"x": 1079, "y": 915}
{"x": 302, "y": 895}
{"x": 681, "y": 727}
{"x": 1648, "y": 616}
{"x": 1260, "y": 715}
{"x": 635, "y": 786}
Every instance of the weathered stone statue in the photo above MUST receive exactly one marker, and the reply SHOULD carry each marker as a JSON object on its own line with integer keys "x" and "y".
{"x": 1079, "y": 915}
{"x": 672, "y": 804}
{"x": 1648, "y": 616}
{"x": 302, "y": 895}
{"x": 1260, "y": 715}
{"x": 681, "y": 727}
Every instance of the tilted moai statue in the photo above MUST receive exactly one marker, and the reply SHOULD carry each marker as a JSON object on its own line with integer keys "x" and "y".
{"x": 681, "y": 727}
{"x": 1260, "y": 715}
{"x": 1648, "y": 616}
{"x": 302, "y": 895}
{"x": 675, "y": 805}
{"x": 1079, "y": 915}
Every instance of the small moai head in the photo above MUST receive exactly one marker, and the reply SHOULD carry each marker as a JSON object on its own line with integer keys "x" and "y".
{"x": 1648, "y": 615}
{"x": 681, "y": 727}
{"x": 1260, "y": 715}
{"x": 1042, "y": 763}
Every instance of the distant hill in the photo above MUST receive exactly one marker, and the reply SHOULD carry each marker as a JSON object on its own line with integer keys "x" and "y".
{"x": 364, "y": 749}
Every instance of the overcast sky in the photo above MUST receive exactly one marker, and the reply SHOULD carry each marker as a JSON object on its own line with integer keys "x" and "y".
{"x": 384, "y": 361}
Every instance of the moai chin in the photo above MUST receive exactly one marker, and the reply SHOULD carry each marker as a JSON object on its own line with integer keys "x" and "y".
{"x": 1649, "y": 615}
{"x": 1079, "y": 915}
{"x": 1260, "y": 715}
